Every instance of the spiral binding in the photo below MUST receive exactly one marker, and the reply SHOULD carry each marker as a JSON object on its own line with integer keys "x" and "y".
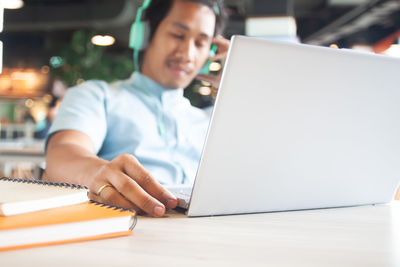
{"x": 28, "y": 181}
{"x": 121, "y": 209}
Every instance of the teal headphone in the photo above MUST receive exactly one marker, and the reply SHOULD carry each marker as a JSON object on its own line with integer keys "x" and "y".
{"x": 140, "y": 34}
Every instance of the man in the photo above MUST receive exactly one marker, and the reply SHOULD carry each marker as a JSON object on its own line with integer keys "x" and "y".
{"x": 124, "y": 140}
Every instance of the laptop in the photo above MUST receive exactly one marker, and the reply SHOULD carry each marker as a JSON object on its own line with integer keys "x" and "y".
{"x": 299, "y": 127}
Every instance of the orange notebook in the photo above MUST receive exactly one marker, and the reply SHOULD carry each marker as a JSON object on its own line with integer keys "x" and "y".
{"x": 87, "y": 221}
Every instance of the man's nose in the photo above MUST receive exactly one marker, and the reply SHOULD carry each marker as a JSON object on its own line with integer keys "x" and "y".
{"x": 188, "y": 50}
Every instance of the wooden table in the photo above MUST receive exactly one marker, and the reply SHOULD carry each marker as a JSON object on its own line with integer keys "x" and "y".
{"x": 356, "y": 236}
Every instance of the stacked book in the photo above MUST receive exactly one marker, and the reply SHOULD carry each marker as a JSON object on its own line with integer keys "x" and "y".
{"x": 37, "y": 213}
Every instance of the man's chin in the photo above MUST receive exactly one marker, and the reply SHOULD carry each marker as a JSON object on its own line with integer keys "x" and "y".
{"x": 175, "y": 84}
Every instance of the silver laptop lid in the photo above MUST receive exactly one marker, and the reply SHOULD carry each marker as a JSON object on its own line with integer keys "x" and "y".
{"x": 300, "y": 127}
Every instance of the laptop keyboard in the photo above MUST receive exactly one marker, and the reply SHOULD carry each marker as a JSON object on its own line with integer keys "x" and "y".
{"x": 182, "y": 193}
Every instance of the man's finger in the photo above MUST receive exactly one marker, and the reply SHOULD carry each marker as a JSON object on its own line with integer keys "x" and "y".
{"x": 134, "y": 193}
{"x": 219, "y": 56}
{"x": 144, "y": 179}
{"x": 223, "y": 46}
{"x": 111, "y": 196}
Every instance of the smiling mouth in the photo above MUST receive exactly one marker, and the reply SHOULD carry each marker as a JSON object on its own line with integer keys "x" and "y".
{"x": 179, "y": 69}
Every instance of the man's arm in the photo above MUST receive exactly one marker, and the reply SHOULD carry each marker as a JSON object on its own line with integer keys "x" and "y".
{"x": 71, "y": 158}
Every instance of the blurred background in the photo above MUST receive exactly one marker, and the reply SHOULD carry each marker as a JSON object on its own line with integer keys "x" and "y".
{"x": 47, "y": 46}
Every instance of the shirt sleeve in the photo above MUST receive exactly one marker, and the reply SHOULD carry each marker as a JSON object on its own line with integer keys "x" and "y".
{"x": 83, "y": 109}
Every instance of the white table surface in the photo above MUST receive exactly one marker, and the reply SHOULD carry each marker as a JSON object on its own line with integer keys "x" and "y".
{"x": 355, "y": 236}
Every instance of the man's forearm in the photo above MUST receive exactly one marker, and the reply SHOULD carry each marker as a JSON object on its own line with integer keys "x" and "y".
{"x": 71, "y": 163}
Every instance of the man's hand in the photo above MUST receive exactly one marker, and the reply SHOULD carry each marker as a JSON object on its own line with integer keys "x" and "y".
{"x": 71, "y": 158}
{"x": 131, "y": 187}
{"x": 223, "y": 46}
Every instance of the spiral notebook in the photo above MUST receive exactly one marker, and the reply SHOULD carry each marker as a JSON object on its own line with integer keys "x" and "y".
{"x": 23, "y": 195}
{"x": 80, "y": 222}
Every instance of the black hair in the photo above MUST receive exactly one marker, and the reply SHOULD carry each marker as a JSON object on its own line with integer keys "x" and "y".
{"x": 158, "y": 10}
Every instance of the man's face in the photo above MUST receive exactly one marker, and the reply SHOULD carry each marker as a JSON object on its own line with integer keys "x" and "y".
{"x": 180, "y": 45}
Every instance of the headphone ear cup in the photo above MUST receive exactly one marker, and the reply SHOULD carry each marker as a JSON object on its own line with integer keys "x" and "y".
{"x": 139, "y": 35}
{"x": 146, "y": 35}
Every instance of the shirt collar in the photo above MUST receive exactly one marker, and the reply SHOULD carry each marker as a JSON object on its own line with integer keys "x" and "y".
{"x": 154, "y": 89}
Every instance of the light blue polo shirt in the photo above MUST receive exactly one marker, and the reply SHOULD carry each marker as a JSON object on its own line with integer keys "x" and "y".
{"x": 138, "y": 116}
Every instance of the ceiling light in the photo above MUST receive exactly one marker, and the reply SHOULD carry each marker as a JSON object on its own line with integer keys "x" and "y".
{"x": 103, "y": 40}
{"x": 13, "y": 4}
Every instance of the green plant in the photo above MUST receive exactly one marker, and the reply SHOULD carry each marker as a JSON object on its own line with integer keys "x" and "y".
{"x": 81, "y": 60}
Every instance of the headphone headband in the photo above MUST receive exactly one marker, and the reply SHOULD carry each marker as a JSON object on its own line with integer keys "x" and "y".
{"x": 216, "y": 8}
{"x": 139, "y": 34}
